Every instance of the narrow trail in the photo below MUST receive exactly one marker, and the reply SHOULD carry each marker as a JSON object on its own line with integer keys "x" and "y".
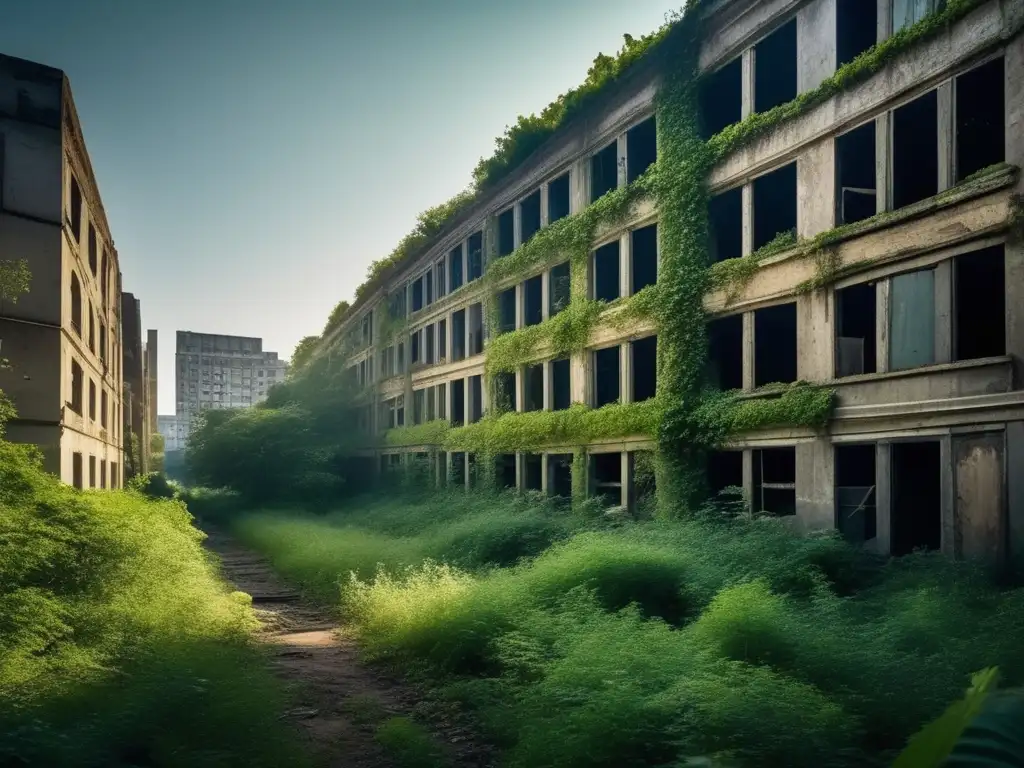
{"x": 338, "y": 701}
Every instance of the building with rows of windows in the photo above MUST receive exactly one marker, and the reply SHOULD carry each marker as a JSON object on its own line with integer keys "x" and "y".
{"x": 912, "y": 172}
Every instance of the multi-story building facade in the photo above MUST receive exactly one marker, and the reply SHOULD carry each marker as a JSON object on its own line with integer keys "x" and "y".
{"x": 63, "y": 337}
{"x": 876, "y": 227}
{"x": 216, "y": 371}
{"x": 174, "y": 433}
{"x": 139, "y": 381}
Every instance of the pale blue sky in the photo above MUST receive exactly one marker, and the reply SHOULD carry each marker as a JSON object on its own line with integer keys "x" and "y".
{"x": 255, "y": 156}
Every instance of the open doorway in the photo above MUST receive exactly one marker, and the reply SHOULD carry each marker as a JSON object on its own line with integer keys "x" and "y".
{"x": 916, "y": 510}
{"x": 855, "y": 492}
{"x": 608, "y": 477}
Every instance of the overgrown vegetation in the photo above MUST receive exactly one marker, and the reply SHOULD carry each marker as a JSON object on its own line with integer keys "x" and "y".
{"x": 579, "y": 642}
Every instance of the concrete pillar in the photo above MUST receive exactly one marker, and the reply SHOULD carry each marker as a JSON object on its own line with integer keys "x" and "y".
{"x": 485, "y": 400}
{"x": 1014, "y": 258}
{"x": 948, "y": 496}
{"x": 520, "y": 305}
{"x": 620, "y": 147}
{"x": 883, "y": 497}
{"x": 520, "y": 471}
{"x": 1015, "y": 487}
{"x": 546, "y": 482}
{"x": 883, "y": 145}
{"x": 882, "y": 325}
{"x": 625, "y": 265}
{"x": 626, "y": 473}
{"x": 519, "y": 403}
{"x": 548, "y": 387}
{"x": 815, "y": 485}
{"x": 579, "y": 185}
{"x": 748, "y": 219}
{"x": 748, "y": 351}
{"x": 816, "y": 189}
{"x": 517, "y": 225}
{"x": 946, "y": 138}
{"x": 815, "y": 330}
{"x": 748, "y": 479}
{"x": 747, "y": 84}
{"x": 544, "y": 213}
{"x": 944, "y": 311}
{"x": 581, "y": 381}
{"x": 626, "y": 373}
{"x": 545, "y": 294}
{"x": 816, "y": 44}
{"x": 884, "y": 19}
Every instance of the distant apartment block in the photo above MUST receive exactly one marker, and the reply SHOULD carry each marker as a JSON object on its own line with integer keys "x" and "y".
{"x": 174, "y": 432}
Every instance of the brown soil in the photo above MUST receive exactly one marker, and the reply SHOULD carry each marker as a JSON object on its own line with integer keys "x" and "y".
{"x": 338, "y": 701}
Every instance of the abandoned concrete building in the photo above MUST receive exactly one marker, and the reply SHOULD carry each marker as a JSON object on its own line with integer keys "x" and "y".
{"x": 63, "y": 337}
{"x": 910, "y": 173}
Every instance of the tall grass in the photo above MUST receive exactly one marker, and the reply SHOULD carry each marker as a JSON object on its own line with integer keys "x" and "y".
{"x": 585, "y": 644}
{"x": 118, "y": 643}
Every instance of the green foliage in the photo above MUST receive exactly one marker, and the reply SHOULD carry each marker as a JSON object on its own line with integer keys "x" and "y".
{"x": 155, "y": 485}
{"x": 568, "y": 331}
{"x": 408, "y": 744}
{"x": 722, "y": 414}
{"x": 337, "y": 315}
{"x": 994, "y": 738}
{"x": 15, "y": 279}
{"x": 303, "y": 353}
{"x": 428, "y": 433}
{"x": 734, "y": 275}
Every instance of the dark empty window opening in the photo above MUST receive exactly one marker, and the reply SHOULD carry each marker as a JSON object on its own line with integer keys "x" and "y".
{"x": 76, "y": 224}
{"x": 561, "y": 391}
{"x": 856, "y": 29}
{"x": 980, "y": 304}
{"x": 606, "y": 272}
{"x": 507, "y": 310}
{"x": 775, "y": 344}
{"x": 530, "y": 216}
{"x": 475, "y": 257}
{"x": 428, "y": 287}
{"x": 558, "y": 198}
{"x": 476, "y": 400}
{"x": 459, "y": 335}
{"x": 506, "y": 232}
{"x": 725, "y": 353}
{"x": 645, "y": 368}
{"x": 534, "y": 473}
{"x": 458, "y": 416}
{"x": 721, "y": 98}
{"x": 428, "y": 343}
{"x": 775, "y": 68}
{"x": 644, "y": 247}
{"x": 641, "y": 148}
{"x": 439, "y": 278}
{"x": 457, "y": 474}
{"x": 476, "y": 328}
{"x": 774, "y": 205}
{"x": 606, "y": 376}
{"x": 533, "y": 387}
{"x": 855, "y": 329}
{"x": 775, "y": 481}
{"x": 604, "y": 171}
{"x": 414, "y": 353}
{"x": 400, "y": 411}
{"x": 430, "y": 403}
{"x": 916, "y": 507}
{"x": 855, "y": 175}
{"x": 504, "y": 392}
{"x": 725, "y": 213}
{"x": 418, "y": 406}
{"x": 505, "y": 470}
{"x": 607, "y": 477}
{"x": 76, "y": 468}
{"x": 855, "y": 492}
{"x": 915, "y": 151}
{"x": 561, "y": 474}
{"x": 533, "y": 300}
{"x": 560, "y": 288}
{"x": 455, "y": 269}
{"x": 980, "y": 118}
{"x": 417, "y": 294}
{"x": 725, "y": 470}
{"x": 442, "y": 401}
{"x": 442, "y": 340}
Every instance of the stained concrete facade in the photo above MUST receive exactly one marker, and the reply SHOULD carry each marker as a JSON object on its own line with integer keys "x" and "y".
{"x": 914, "y": 317}
{"x": 62, "y": 338}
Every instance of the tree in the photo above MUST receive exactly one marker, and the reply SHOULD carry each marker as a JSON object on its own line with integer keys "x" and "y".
{"x": 302, "y": 354}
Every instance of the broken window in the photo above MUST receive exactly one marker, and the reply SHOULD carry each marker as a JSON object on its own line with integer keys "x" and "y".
{"x": 458, "y": 416}
{"x": 558, "y": 198}
{"x": 774, "y": 205}
{"x": 561, "y": 389}
{"x": 606, "y": 272}
{"x": 606, "y": 376}
{"x": 459, "y": 335}
{"x": 645, "y": 368}
{"x": 855, "y": 492}
{"x": 428, "y": 287}
{"x": 906, "y": 13}
{"x": 507, "y": 310}
{"x": 529, "y": 216}
{"x": 980, "y": 304}
{"x": 916, "y": 506}
{"x": 506, "y": 232}
{"x": 417, "y": 294}
{"x": 775, "y": 344}
{"x": 533, "y": 387}
{"x": 604, "y": 171}
{"x": 442, "y": 401}
{"x": 442, "y": 340}
{"x": 533, "y": 300}
{"x": 458, "y": 469}
{"x": 915, "y": 150}
{"x": 475, "y": 257}
{"x": 428, "y": 343}
{"x": 455, "y": 268}
{"x": 980, "y": 118}
{"x": 504, "y": 392}
{"x": 912, "y": 320}
{"x": 76, "y": 215}
{"x": 775, "y": 80}
{"x": 644, "y": 252}
{"x": 725, "y": 470}
{"x": 414, "y": 349}
{"x": 430, "y": 404}
{"x": 725, "y": 214}
{"x": 721, "y": 98}
{"x": 856, "y": 29}
{"x": 505, "y": 470}
{"x": 775, "y": 481}
{"x": 476, "y": 398}
{"x": 439, "y": 275}
{"x": 855, "y": 174}
{"x": 560, "y": 466}
{"x": 418, "y": 408}
{"x": 476, "y": 328}
{"x": 607, "y": 469}
{"x": 92, "y": 400}
{"x": 533, "y": 476}
{"x": 725, "y": 352}
{"x": 560, "y": 288}
{"x": 641, "y": 149}
{"x": 855, "y": 329}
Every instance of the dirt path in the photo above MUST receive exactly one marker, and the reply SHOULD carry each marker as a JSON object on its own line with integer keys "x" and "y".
{"x": 338, "y": 700}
